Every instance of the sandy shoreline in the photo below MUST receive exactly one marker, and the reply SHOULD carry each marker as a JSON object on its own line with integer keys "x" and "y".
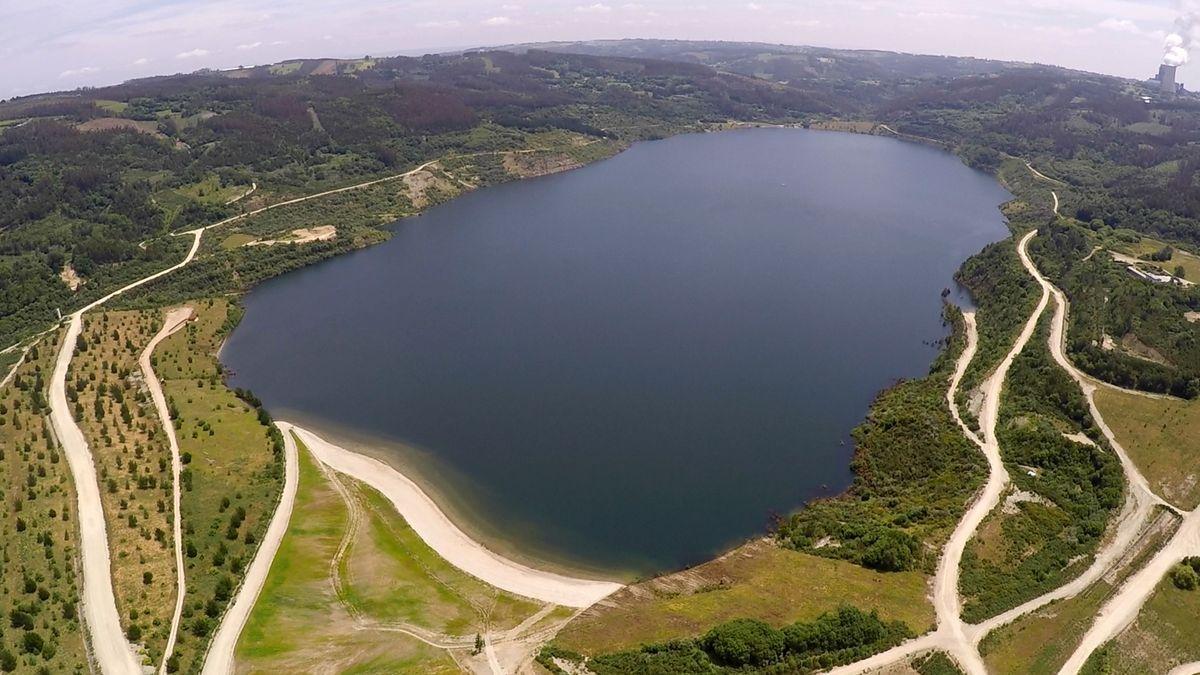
{"x": 444, "y": 537}
{"x": 453, "y": 493}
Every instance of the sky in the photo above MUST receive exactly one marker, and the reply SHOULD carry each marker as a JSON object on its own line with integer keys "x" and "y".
{"x": 51, "y": 45}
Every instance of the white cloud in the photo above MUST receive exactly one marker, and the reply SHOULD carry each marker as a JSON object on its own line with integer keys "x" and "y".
{"x": 191, "y": 54}
{"x": 452, "y": 23}
{"x": 804, "y": 23}
{"x": 1120, "y": 26}
{"x": 250, "y": 45}
{"x": 511, "y": 7}
{"x": 753, "y": 6}
{"x": 141, "y": 62}
{"x": 278, "y": 42}
{"x": 85, "y": 70}
{"x": 498, "y": 21}
{"x": 596, "y": 8}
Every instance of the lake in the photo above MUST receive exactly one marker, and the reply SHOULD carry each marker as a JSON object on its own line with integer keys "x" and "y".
{"x": 631, "y": 366}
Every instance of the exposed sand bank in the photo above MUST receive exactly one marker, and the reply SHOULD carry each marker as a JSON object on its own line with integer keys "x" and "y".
{"x": 444, "y": 537}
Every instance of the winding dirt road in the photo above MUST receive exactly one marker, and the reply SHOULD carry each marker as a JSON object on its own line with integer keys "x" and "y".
{"x": 952, "y": 635}
{"x": 219, "y": 660}
{"x": 112, "y": 652}
{"x": 175, "y": 319}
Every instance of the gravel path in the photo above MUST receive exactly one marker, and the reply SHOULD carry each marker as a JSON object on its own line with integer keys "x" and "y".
{"x": 175, "y": 320}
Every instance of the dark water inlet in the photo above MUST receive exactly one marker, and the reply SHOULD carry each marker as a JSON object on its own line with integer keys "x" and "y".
{"x": 635, "y": 363}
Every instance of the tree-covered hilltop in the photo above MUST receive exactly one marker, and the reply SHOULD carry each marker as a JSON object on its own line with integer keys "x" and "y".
{"x": 92, "y": 180}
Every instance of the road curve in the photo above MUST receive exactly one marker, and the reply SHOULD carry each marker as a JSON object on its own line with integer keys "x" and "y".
{"x": 946, "y": 600}
{"x": 443, "y": 536}
{"x": 175, "y": 320}
{"x": 219, "y": 659}
{"x": 952, "y": 635}
{"x": 1123, "y": 608}
{"x": 1139, "y": 503}
{"x": 112, "y": 653}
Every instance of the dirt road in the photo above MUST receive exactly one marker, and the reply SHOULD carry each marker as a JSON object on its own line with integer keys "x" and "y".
{"x": 113, "y": 654}
{"x": 176, "y": 319}
{"x": 219, "y": 660}
{"x": 952, "y": 635}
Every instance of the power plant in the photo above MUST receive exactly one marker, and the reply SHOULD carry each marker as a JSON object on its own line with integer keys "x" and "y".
{"x": 1165, "y": 79}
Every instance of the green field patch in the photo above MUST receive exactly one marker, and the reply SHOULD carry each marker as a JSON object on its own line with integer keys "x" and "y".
{"x": 1159, "y": 434}
{"x": 237, "y": 240}
{"x": 232, "y": 472}
{"x": 760, "y": 580}
{"x": 298, "y": 619}
{"x": 1164, "y": 634}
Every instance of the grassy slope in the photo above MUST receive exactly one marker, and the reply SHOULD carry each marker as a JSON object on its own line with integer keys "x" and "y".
{"x": 298, "y": 621}
{"x": 1163, "y": 636}
{"x": 760, "y": 579}
{"x": 230, "y": 459}
{"x": 1160, "y": 437}
{"x": 351, "y": 577}
{"x": 393, "y": 576}
{"x": 38, "y": 538}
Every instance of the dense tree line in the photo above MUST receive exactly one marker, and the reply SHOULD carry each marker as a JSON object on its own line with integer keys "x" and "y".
{"x": 748, "y": 645}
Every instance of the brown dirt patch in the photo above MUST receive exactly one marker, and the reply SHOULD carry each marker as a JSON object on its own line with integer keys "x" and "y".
{"x": 70, "y": 277}
{"x": 111, "y": 123}
{"x": 531, "y": 164}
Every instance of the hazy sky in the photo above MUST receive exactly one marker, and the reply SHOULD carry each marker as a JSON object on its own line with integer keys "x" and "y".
{"x": 62, "y": 44}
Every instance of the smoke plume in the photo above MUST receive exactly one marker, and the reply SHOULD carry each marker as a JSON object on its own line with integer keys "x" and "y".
{"x": 1186, "y": 37}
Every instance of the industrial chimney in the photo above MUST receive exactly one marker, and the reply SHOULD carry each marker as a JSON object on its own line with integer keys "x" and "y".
{"x": 1166, "y": 78}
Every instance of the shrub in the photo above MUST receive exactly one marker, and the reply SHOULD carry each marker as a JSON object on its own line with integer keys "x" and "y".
{"x": 1185, "y": 578}
{"x": 744, "y": 642}
{"x": 893, "y": 551}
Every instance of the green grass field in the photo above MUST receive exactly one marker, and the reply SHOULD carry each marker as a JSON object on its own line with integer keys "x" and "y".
{"x": 236, "y": 240}
{"x": 1039, "y": 643}
{"x": 1159, "y": 435}
{"x": 230, "y": 473}
{"x": 298, "y": 619}
{"x": 759, "y": 580}
{"x": 1189, "y": 262}
{"x": 1163, "y": 636}
{"x": 391, "y": 575}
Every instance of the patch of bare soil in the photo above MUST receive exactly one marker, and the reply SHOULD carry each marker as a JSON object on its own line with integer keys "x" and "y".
{"x": 301, "y": 236}
{"x": 70, "y": 277}
{"x": 420, "y": 183}
{"x": 1132, "y": 345}
{"x": 327, "y": 67}
{"x": 531, "y": 164}
{"x": 1192, "y": 317}
{"x": 1018, "y": 496}
{"x": 110, "y": 123}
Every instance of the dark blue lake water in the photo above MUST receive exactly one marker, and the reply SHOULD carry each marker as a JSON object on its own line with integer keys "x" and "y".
{"x": 633, "y": 364}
